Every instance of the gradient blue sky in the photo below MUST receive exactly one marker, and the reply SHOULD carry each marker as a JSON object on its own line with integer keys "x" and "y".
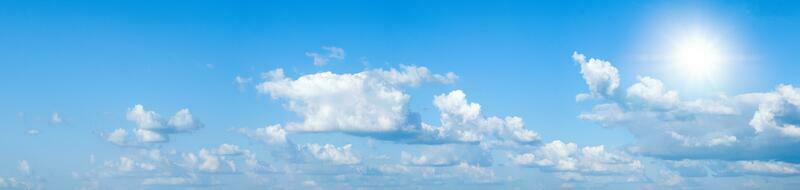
{"x": 91, "y": 62}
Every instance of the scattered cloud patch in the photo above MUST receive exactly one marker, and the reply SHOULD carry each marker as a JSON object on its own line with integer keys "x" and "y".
{"x": 332, "y": 53}
{"x": 151, "y": 128}
{"x": 55, "y": 119}
{"x": 330, "y": 153}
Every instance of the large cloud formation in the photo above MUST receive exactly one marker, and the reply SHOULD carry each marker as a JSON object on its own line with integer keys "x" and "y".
{"x": 752, "y": 126}
{"x": 373, "y": 103}
{"x": 677, "y": 141}
{"x": 365, "y": 102}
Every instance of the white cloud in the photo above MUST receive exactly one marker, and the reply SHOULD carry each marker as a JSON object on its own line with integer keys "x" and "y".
{"x": 372, "y": 103}
{"x": 221, "y": 159}
{"x": 651, "y": 92}
{"x": 183, "y": 121}
{"x": 169, "y": 181}
{"x": 151, "y": 128}
{"x": 476, "y": 172}
{"x": 461, "y": 121}
{"x": 335, "y": 52}
{"x": 337, "y": 155}
{"x": 454, "y": 104}
{"x": 610, "y": 113}
{"x": 126, "y": 164}
{"x": 24, "y": 167}
{"x": 273, "y": 134}
{"x": 55, "y": 119}
{"x": 753, "y": 126}
{"x": 601, "y": 77}
{"x": 210, "y": 161}
{"x": 147, "y": 136}
{"x": 118, "y": 137}
{"x": 228, "y": 149}
{"x": 332, "y": 53}
{"x": 424, "y": 160}
{"x": 768, "y": 167}
{"x": 242, "y": 82}
{"x": 144, "y": 119}
{"x": 33, "y": 131}
{"x": 366, "y": 102}
{"x": 777, "y": 110}
{"x": 318, "y": 59}
{"x": 447, "y": 155}
{"x": 14, "y": 183}
{"x": 559, "y": 156}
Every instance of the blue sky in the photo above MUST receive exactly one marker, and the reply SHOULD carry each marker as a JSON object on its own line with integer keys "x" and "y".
{"x": 399, "y": 95}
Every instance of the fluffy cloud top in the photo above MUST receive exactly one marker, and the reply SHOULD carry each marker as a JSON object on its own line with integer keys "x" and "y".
{"x": 274, "y": 134}
{"x": 369, "y": 101}
{"x": 760, "y": 126}
{"x": 778, "y": 112}
{"x": 602, "y": 78}
{"x": 373, "y": 103}
{"x": 651, "y": 92}
{"x": 461, "y": 121}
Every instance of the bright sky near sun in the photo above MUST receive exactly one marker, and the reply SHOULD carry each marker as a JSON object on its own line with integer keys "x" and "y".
{"x": 399, "y": 95}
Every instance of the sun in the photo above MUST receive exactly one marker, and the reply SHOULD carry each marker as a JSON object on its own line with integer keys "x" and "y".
{"x": 698, "y": 56}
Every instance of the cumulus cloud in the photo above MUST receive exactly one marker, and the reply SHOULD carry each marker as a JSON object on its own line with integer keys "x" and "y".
{"x": 273, "y": 134}
{"x": 207, "y": 160}
{"x": 329, "y": 153}
{"x": 462, "y": 121}
{"x": 151, "y": 128}
{"x": 144, "y": 119}
{"x": 128, "y": 165}
{"x": 118, "y": 136}
{"x": 183, "y": 121}
{"x": 228, "y": 149}
{"x": 373, "y": 103}
{"x": 560, "y": 156}
{"x": 148, "y": 136}
{"x": 651, "y": 92}
{"x": 600, "y": 76}
{"x": 778, "y": 112}
{"x": 752, "y": 126}
{"x": 157, "y": 167}
{"x": 366, "y": 102}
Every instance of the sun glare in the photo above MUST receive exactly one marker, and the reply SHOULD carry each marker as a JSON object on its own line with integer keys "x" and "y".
{"x": 698, "y": 57}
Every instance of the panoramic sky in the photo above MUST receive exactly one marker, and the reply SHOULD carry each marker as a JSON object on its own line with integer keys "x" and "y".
{"x": 399, "y": 95}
